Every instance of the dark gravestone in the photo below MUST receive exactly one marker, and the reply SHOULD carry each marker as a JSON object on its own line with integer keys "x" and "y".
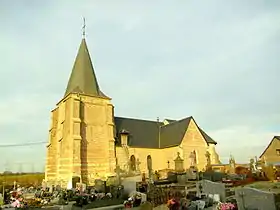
{"x": 214, "y": 176}
{"x": 250, "y": 198}
{"x": 171, "y": 176}
{"x": 182, "y": 179}
{"x": 58, "y": 188}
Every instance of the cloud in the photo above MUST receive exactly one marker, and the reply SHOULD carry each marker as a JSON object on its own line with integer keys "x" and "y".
{"x": 215, "y": 61}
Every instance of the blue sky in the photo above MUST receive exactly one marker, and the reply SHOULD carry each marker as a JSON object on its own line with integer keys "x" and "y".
{"x": 215, "y": 60}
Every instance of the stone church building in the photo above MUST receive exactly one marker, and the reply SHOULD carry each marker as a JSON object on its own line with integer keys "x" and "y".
{"x": 88, "y": 141}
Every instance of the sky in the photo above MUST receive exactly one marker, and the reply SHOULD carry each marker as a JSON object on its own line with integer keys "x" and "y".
{"x": 217, "y": 61}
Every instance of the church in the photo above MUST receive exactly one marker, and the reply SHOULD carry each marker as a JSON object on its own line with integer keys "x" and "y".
{"x": 86, "y": 139}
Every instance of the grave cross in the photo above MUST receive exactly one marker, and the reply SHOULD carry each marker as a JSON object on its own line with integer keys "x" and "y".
{"x": 84, "y": 28}
{"x": 168, "y": 164}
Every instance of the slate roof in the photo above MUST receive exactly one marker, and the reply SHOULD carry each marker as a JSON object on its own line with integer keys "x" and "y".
{"x": 82, "y": 78}
{"x": 142, "y": 133}
{"x": 153, "y": 134}
{"x": 173, "y": 133}
{"x": 206, "y": 137}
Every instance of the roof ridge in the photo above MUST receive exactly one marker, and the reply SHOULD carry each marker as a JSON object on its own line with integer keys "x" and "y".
{"x": 176, "y": 121}
{"x": 129, "y": 118}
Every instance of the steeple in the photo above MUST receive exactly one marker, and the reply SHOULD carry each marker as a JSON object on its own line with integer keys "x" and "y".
{"x": 83, "y": 79}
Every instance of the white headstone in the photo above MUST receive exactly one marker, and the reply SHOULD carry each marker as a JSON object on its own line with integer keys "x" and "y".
{"x": 69, "y": 185}
{"x": 216, "y": 198}
{"x": 129, "y": 186}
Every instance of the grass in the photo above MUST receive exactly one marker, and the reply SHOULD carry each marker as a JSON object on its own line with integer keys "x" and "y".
{"x": 25, "y": 180}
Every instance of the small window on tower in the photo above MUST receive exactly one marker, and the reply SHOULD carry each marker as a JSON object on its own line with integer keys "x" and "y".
{"x": 278, "y": 152}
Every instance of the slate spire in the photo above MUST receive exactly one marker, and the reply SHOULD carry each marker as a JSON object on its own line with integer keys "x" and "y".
{"x": 83, "y": 79}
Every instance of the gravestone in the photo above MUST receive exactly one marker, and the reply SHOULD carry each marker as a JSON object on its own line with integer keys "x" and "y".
{"x": 179, "y": 163}
{"x": 129, "y": 183}
{"x": 129, "y": 186}
{"x": 171, "y": 176}
{"x": 213, "y": 176}
{"x": 118, "y": 173}
{"x": 182, "y": 179}
{"x": 191, "y": 173}
{"x": 212, "y": 188}
{"x": 250, "y": 198}
{"x": 44, "y": 184}
{"x": 100, "y": 185}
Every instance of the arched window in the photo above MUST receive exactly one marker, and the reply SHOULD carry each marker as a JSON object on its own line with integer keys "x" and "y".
{"x": 149, "y": 162}
{"x": 132, "y": 163}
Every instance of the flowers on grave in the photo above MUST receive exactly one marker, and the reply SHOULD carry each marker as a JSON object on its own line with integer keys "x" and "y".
{"x": 225, "y": 206}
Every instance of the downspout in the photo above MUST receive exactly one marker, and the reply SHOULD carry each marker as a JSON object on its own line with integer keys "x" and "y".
{"x": 159, "y": 126}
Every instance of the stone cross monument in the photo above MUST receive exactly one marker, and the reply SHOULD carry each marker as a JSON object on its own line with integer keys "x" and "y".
{"x": 192, "y": 159}
{"x": 179, "y": 163}
{"x": 150, "y": 169}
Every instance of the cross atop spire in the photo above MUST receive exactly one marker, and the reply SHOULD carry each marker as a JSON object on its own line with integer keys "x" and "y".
{"x": 84, "y": 28}
{"x": 83, "y": 79}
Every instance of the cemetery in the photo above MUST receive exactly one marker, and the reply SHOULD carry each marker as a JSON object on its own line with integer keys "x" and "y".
{"x": 256, "y": 187}
{"x": 94, "y": 157}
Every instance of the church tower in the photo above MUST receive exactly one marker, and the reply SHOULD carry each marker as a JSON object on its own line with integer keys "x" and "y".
{"x": 81, "y": 137}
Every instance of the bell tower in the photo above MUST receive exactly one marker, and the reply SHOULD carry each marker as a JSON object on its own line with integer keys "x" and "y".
{"x": 81, "y": 137}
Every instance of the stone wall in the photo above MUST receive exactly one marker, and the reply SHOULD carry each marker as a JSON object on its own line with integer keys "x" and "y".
{"x": 81, "y": 140}
{"x": 52, "y": 150}
{"x": 194, "y": 141}
{"x": 160, "y": 157}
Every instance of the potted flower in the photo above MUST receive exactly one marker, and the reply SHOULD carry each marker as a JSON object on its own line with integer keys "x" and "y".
{"x": 225, "y": 206}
